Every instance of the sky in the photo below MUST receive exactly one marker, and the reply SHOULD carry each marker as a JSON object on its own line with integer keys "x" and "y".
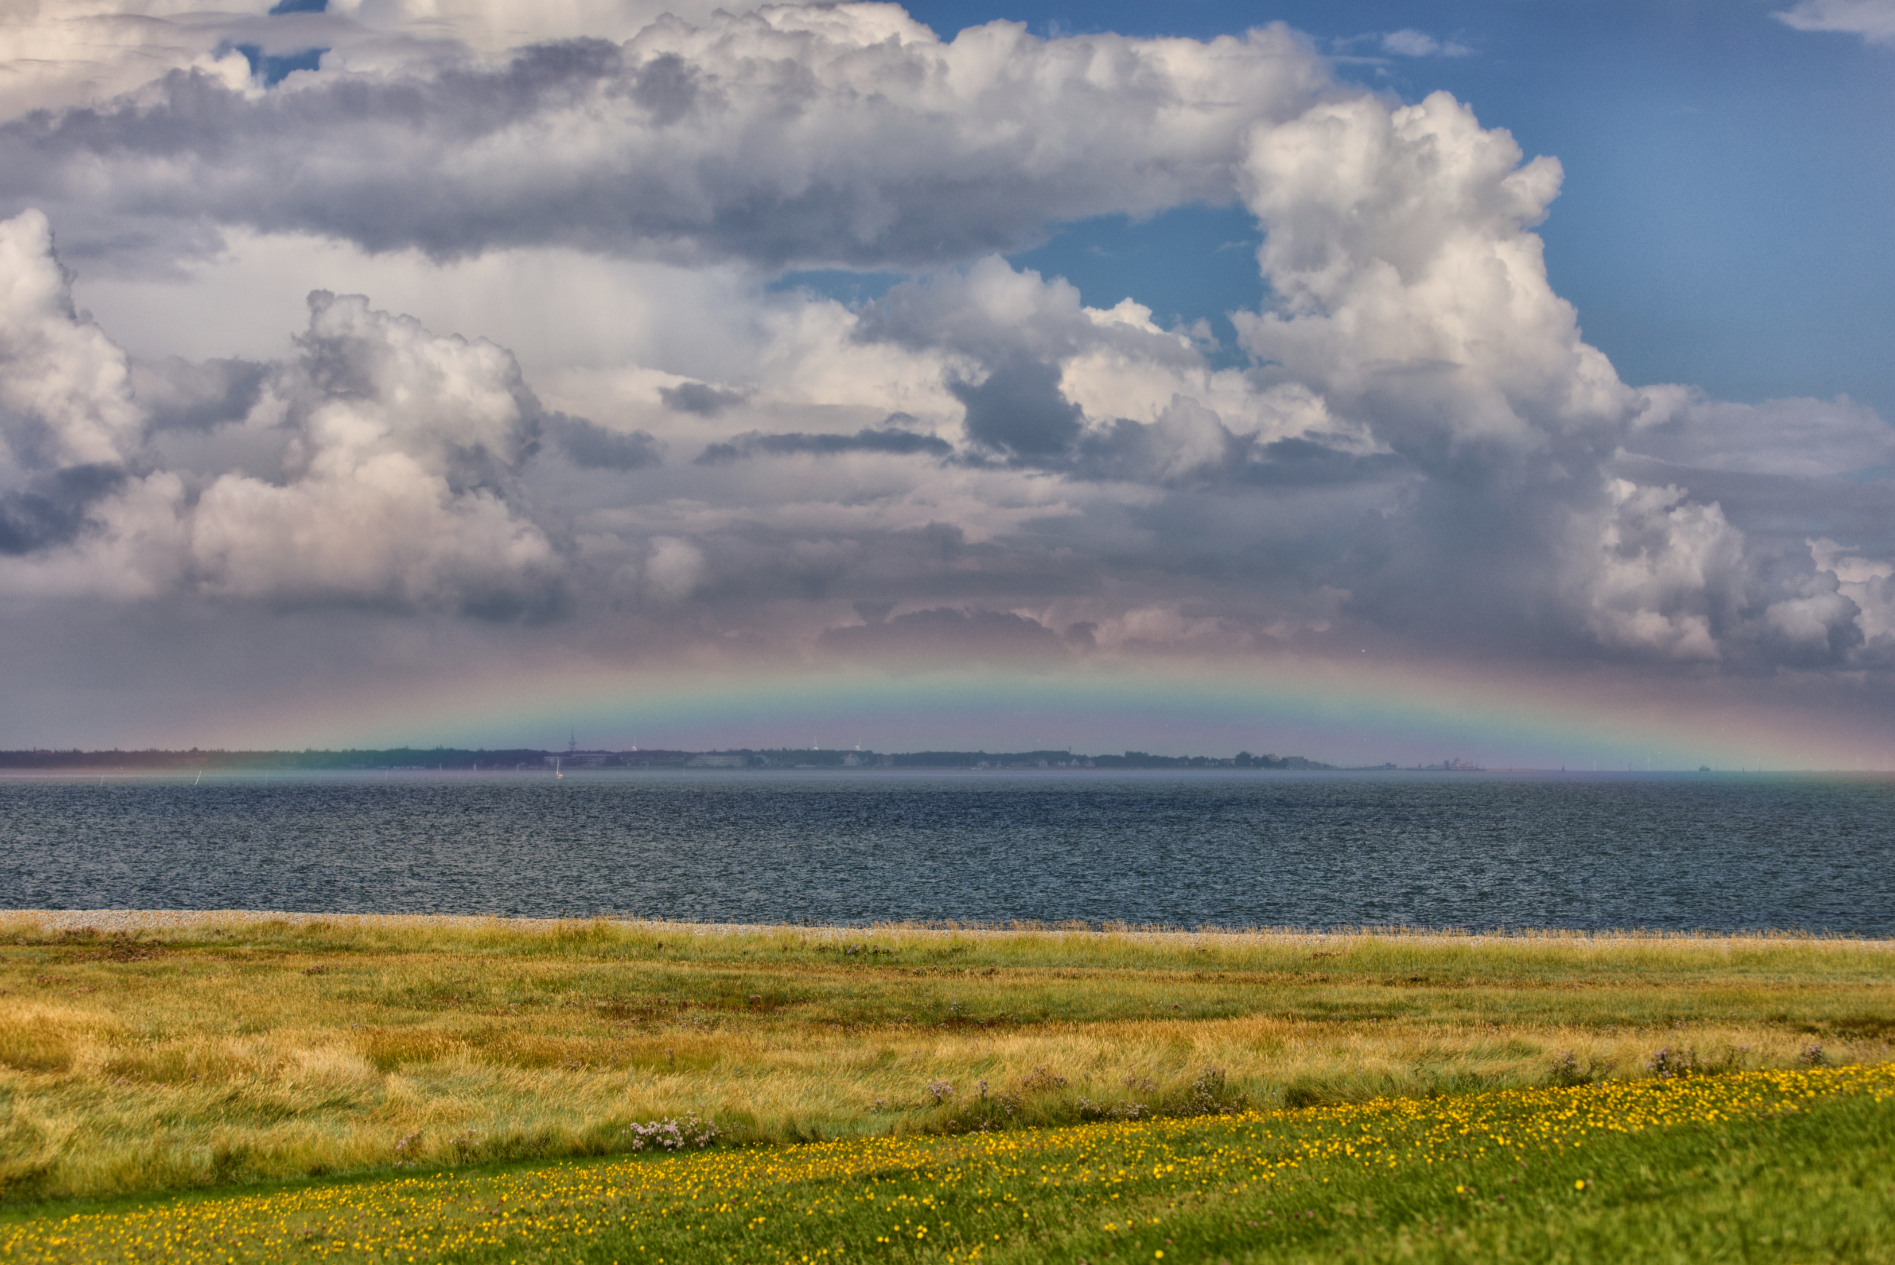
{"x": 1503, "y": 380}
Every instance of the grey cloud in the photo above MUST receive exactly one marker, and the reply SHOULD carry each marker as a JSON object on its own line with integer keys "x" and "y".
{"x": 1301, "y": 461}
{"x": 667, "y": 87}
{"x": 699, "y": 398}
{"x": 1146, "y": 452}
{"x": 1782, "y": 437}
{"x": 809, "y": 138}
{"x": 993, "y": 314}
{"x": 946, "y": 634}
{"x": 399, "y": 488}
{"x": 197, "y": 395}
{"x": 744, "y": 567}
{"x": 593, "y": 447}
{"x": 1423, "y": 444}
{"x": 886, "y": 440}
{"x": 1019, "y": 410}
{"x": 51, "y": 509}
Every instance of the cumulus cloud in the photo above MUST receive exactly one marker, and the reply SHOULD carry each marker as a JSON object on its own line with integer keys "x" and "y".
{"x": 397, "y": 478}
{"x": 1413, "y": 439}
{"x": 78, "y": 513}
{"x": 1413, "y": 292}
{"x": 1045, "y": 382}
{"x": 60, "y": 53}
{"x": 1413, "y": 298}
{"x": 66, "y": 392}
{"x": 815, "y": 135}
{"x": 1873, "y": 20}
{"x": 1665, "y": 576}
{"x": 396, "y": 482}
{"x": 1845, "y": 575}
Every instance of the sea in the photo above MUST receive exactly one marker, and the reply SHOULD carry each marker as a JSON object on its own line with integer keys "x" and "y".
{"x": 1719, "y": 852}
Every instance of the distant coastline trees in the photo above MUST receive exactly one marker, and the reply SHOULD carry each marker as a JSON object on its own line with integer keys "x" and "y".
{"x": 443, "y": 758}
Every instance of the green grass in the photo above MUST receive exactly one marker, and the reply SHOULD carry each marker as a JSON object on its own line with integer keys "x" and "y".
{"x": 1773, "y": 1166}
{"x": 226, "y": 1053}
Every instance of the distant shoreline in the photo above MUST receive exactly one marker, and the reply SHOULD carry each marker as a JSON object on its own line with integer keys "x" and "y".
{"x": 147, "y": 921}
{"x": 442, "y": 759}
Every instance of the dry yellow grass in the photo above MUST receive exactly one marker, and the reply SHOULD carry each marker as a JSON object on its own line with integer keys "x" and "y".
{"x": 217, "y": 1050}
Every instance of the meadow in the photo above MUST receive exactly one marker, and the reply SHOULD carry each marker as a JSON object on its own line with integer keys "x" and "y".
{"x": 220, "y": 1052}
{"x": 1736, "y": 1166}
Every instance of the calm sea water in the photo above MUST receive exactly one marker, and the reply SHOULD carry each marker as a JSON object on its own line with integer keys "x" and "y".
{"x": 1718, "y": 852}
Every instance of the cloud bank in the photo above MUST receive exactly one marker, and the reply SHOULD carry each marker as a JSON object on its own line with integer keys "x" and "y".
{"x": 1412, "y": 445}
{"x": 791, "y": 135}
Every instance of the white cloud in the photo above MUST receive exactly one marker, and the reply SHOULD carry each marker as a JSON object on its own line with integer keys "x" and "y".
{"x": 1801, "y": 437}
{"x": 841, "y": 135}
{"x": 1868, "y": 582}
{"x": 1424, "y": 442}
{"x": 396, "y": 480}
{"x": 67, "y": 387}
{"x": 1413, "y": 299}
{"x": 76, "y": 516}
{"x": 1665, "y": 577}
{"x": 61, "y": 53}
{"x": 1413, "y": 292}
{"x": 1873, "y": 20}
{"x": 674, "y": 568}
{"x": 1412, "y": 43}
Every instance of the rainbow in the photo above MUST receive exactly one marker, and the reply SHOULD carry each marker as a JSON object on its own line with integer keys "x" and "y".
{"x": 1346, "y": 712}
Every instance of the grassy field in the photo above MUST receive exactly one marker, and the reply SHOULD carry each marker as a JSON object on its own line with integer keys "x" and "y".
{"x": 216, "y": 1054}
{"x": 1745, "y": 1166}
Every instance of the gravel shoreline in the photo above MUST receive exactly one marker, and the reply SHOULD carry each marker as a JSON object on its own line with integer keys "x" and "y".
{"x": 163, "y": 921}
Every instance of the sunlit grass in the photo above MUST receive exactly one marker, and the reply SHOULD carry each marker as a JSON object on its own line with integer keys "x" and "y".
{"x": 217, "y": 1054}
{"x": 1760, "y": 1165}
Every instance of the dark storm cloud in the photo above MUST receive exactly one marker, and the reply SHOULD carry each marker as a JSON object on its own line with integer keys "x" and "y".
{"x": 593, "y": 447}
{"x": 887, "y": 440}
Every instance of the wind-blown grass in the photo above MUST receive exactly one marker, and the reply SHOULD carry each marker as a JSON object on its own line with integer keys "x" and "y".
{"x": 213, "y": 1054}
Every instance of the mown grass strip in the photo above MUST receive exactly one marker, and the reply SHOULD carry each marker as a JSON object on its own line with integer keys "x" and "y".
{"x": 1694, "y": 1167}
